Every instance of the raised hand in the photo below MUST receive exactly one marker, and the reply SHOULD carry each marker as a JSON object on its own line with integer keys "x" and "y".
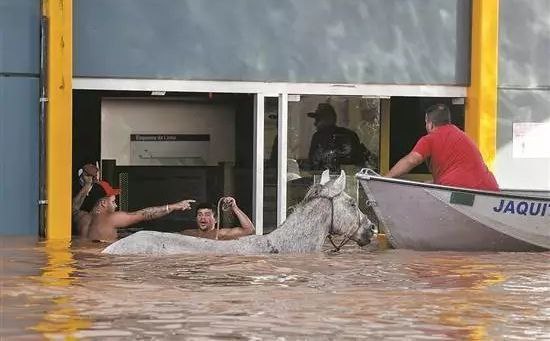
{"x": 229, "y": 202}
{"x": 92, "y": 171}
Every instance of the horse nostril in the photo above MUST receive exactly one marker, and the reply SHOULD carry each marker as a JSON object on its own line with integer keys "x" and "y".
{"x": 374, "y": 229}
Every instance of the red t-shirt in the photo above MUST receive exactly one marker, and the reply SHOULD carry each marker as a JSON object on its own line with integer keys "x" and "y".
{"x": 454, "y": 159}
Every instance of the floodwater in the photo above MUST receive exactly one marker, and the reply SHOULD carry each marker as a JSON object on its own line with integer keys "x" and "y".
{"x": 50, "y": 291}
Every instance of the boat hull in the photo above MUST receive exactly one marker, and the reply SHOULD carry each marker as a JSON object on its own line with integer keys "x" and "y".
{"x": 429, "y": 217}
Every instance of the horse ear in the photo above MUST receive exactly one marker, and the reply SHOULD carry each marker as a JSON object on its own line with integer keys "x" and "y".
{"x": 325, "y": 177}
{"x": 340, "y": 183}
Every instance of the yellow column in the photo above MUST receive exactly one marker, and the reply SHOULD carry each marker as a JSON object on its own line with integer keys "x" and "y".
{"x": 384, "y": 136}
{"x": 59, "y": 120}
{"x": 481, "y": 104}
{"x": 61, "y": 319}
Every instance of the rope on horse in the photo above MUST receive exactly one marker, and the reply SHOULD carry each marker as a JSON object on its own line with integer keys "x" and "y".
{"x": 219, "y": 217}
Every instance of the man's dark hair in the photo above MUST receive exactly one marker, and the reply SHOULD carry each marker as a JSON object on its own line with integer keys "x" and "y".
{"x": 94, "y": 196}
{"x": 205, "y": 205}
{"x": 439, "y": 114}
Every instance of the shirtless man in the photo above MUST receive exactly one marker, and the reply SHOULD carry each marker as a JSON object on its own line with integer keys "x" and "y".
{"x": 206, "y": 221}
{"x": 102, "y": 221}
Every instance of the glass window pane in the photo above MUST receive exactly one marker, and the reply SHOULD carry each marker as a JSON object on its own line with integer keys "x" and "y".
{"x": 330, "y": 132}
{"x": 270, "y": 163}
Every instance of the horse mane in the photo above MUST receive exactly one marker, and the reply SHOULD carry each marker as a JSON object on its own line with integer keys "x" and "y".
{"x": 312, "y": 190}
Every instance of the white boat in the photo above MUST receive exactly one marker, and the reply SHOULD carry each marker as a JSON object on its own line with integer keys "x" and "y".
{"x": 421, "y": 216}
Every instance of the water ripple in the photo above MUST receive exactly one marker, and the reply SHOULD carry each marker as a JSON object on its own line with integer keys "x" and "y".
{"x": 394, "y": 294}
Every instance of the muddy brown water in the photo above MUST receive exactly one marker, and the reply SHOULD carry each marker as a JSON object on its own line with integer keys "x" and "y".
{"x": 51, "y": 291}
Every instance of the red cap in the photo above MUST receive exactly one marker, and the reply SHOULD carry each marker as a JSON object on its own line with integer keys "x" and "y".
{"x": 109, "y": 191}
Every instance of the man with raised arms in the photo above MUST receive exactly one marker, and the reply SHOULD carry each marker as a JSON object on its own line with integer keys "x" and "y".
{"x": 206, "y": 222}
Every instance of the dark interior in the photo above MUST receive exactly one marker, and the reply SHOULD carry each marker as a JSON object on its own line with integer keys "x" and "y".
{"x": 145, "y": 186}
{"x": 407, "y": 124}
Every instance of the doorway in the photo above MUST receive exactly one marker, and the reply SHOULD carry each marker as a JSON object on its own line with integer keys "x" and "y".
{"x": 162, "y": 149}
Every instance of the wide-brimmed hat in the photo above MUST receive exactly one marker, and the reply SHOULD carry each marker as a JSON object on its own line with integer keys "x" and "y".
{"x": 324, "y": 110}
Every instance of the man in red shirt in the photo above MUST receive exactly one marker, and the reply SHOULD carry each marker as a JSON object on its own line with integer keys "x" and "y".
{"x": 452, "y": 156}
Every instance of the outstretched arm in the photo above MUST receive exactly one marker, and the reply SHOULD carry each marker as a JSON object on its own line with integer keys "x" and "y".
{"x": 124, "y": 219}
{"x": 404, "y": 165}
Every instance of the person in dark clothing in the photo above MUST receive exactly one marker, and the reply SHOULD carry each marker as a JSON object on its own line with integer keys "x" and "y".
{"x": 332, "y": 146}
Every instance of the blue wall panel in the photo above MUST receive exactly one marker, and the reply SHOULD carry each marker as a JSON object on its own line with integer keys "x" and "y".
{"x": 343, "y": 41}
{"x": 19, "y": 156}
{"x": 19, "y": 36}
{"x": 19, "y": 67}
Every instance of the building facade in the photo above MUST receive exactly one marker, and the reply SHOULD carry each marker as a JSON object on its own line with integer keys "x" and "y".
{"x": 130, "y": 67}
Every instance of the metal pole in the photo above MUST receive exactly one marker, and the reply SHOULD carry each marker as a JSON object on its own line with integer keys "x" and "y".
{"x": 258, "y": 206}
{"x": 282, "y": 160}
{"x": 42, "y": 191}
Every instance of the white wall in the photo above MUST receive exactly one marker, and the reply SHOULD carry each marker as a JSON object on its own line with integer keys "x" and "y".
{"x": 122, "y": 117}
{"x": 528, "y": 169}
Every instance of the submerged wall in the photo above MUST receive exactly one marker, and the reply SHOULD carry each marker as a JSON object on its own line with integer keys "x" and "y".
{"x": 19, "y": 72}
{"x": 333, "y": 41}
{"x": 523, "y": 132}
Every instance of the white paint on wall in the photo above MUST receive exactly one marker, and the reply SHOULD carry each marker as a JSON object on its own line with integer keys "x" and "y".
{"x": 523, "y": 164}
{"x": 122, "y": 117}
{"x": 531, "y": 140}
{"x": 529, "y": 174}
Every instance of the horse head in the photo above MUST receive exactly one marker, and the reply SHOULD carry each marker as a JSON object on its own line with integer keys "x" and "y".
{"x": 347, "y": 218}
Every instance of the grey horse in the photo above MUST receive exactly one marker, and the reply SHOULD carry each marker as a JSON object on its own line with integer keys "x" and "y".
{"x": 326, "y": 210}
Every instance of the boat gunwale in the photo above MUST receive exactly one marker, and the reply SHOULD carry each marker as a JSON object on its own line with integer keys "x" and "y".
{"x": 368, "y": 177}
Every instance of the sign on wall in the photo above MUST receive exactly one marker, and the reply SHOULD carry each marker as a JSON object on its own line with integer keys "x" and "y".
{"x": 169, "y": 149}
{"x": 531, "y": 140}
